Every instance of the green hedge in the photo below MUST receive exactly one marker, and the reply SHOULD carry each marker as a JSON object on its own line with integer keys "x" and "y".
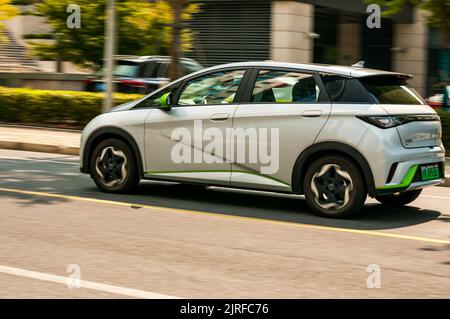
{"x": 53, "y": 107}
{"x": 445, "y": 120}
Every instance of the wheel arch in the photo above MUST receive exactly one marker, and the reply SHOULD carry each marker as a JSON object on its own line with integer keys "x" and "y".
{"x": 326, "y": 148}
{"x": 104, "y": 133}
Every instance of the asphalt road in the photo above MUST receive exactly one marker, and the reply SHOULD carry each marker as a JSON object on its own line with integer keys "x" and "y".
{"x": 171, "y": 240}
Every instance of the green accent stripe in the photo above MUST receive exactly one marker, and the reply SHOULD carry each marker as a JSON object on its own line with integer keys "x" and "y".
{"x": 406, "y": 181}
{"x": 215, "y": 171}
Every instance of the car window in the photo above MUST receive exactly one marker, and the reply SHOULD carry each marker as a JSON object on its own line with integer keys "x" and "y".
{"x": 163, "y": 70}
{"x": 216, "y": 88}
{"x": 345, "y": 90}
{"x": 153, "y": 99}
{"x": 150, "y": 69}
{"x": 126, "y": 69}
{"x": 285, "y": 87}
{"x": 391, "y": 90}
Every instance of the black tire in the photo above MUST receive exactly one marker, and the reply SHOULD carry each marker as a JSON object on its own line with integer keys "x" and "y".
{"x": 127, "y": 179}
{"x": 347, "y": 193}
{"x": 399, "y": 199}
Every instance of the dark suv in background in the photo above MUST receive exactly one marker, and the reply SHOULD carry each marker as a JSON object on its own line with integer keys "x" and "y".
{"x": 134, "y": 74}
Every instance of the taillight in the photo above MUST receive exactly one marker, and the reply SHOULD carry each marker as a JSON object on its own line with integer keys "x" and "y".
{"x": 133, "y": 83}
{"x": 388, "y": 121}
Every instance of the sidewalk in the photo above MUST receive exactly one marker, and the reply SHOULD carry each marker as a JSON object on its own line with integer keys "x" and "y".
{"x": 67, "y": 142}
{"x": 40, "y": 140}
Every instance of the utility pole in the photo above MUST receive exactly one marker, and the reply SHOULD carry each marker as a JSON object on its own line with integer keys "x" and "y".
{"x": 110, "y": 36}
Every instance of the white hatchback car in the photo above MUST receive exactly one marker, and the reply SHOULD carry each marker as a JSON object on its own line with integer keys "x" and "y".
{"x": 335, "y": 134}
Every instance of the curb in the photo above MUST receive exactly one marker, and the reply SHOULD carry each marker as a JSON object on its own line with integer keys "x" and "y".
{"x": 40, "y": 127}
{"x": 43, "y": 148}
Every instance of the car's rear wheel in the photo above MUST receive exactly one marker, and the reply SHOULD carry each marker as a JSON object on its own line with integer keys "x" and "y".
{"x": 399, "y": 199}
{"x": 113, "y": 167}
{"x": 334, "y": 187}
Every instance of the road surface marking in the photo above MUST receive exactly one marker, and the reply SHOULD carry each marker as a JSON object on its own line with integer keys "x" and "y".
{"x": 435, "y": 196}
{"x": 222, "y": 215}
{"x": 83, "y": 283}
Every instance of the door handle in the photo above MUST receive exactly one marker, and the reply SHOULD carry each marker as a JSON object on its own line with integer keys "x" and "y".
{"x": 311, "y": 113}
{"x": 220, "y": 117}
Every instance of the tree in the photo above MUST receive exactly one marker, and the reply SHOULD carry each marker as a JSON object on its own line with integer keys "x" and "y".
{"x": 177, "y": 9}
{"x": 143, "y": 28}
{"x": 7, "y": 11}
{"x": 439, "y": 18}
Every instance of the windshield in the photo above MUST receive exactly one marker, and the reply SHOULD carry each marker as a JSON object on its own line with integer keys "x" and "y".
{"x": 391, "y": 90}
{"x": 127, "y": 70}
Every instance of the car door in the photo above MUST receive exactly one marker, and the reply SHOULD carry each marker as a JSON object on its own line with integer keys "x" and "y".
{"x": 281, "y": 114}
{"x": 188, "y": 142}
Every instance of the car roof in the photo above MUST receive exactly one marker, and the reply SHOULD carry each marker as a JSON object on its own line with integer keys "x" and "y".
{"x": 348, "y": 71}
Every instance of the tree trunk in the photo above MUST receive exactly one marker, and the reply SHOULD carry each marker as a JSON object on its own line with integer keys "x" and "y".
{"x": 177, "y": 9}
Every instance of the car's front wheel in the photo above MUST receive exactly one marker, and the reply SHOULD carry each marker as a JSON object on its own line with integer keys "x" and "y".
{"x": 399, "y": 199}
{"x": 113, "y": 167}
{"x": 334, "y": 187}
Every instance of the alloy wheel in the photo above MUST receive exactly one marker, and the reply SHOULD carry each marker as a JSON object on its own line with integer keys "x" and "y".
{"x": 111, "y": 166}
{"x": 332, "y": 187}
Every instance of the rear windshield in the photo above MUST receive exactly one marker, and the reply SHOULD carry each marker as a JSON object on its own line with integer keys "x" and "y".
{"x": 377, "y": 89}
{"x": 391, "y": 90}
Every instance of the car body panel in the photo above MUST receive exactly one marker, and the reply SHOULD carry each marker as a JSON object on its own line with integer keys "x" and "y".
{"x": 161, "y": 129}
{"x": 296, "y": 130}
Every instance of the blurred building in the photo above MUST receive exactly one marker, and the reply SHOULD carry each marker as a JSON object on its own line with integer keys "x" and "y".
{"x": 19, "y": 68}
{"x": 320, "y": 31}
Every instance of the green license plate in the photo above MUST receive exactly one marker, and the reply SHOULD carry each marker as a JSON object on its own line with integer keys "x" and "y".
{"x": 430, "y": 172}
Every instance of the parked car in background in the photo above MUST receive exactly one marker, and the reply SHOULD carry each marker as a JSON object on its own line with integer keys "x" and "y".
{"x": 134, "y": 74}
{"x": 437, "y": 100}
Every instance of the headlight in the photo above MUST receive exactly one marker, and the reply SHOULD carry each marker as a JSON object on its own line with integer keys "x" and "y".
{"x": 388, "y": 121}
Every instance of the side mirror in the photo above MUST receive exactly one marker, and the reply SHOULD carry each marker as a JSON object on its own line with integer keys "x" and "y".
{"x": 165, "y": 101}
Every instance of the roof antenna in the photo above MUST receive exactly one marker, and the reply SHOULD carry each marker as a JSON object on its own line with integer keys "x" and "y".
{"x": 360, "y": 64}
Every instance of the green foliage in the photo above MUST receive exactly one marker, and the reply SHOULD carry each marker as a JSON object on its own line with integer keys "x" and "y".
{"x": 53, "y": 107}
{"x": 142, "y": 29}
{"x": 39, "y": 36}
{"x": 445, "y": 121}
{"x": 439, "y": 11}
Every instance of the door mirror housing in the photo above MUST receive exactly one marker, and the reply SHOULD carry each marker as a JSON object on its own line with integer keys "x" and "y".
{"x": 165, "y": 101}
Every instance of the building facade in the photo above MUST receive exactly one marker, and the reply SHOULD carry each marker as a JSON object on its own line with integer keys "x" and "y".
{"x": 319, "y": 31}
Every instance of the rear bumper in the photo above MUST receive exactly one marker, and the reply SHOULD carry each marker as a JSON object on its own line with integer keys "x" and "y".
{"x": 417, "y": 185}
{"x": 412, "y": 177}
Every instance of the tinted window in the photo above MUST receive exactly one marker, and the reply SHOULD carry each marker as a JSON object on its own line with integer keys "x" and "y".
{"x": 163, "y": 70}
{"x": 391, "y": 90}
{"x": 345, "y": 90}
{"x": 215, "y": 88}
{"x": 150, "y": 69}
{"x": 285, "y": 87}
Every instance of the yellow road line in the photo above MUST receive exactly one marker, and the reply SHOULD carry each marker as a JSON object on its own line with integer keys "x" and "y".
{"x": 184, "y": 211}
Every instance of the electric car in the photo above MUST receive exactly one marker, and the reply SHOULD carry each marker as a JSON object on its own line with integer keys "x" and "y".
{"x": 335, "y": 134}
